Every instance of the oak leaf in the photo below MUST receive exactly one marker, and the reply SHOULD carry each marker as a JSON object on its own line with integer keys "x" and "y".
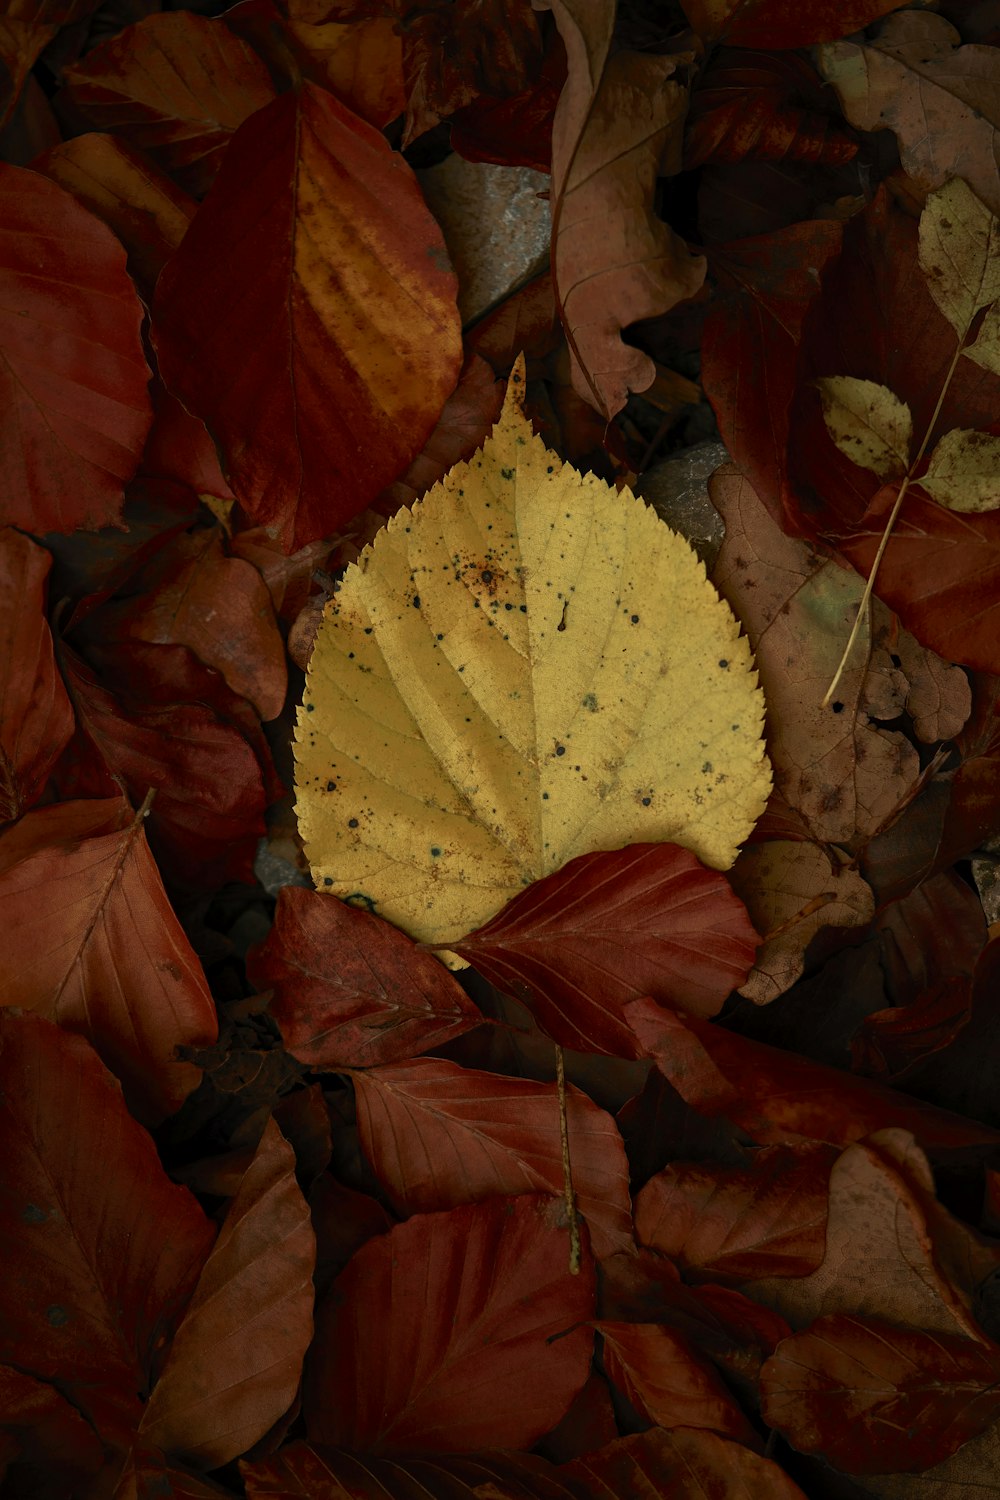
{"x": 619, "y": 123}
{"x": 493, "y": 686}
{"x": 940, "y": 98}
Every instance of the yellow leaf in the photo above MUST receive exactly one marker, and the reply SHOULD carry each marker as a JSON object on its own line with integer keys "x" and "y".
{"x": 960, "y": 254}
{"x": 868, "y": 423}
{"x": 525, "y": 667}
{"x": 985, "y": 347}
{"x": 964, "y": 471}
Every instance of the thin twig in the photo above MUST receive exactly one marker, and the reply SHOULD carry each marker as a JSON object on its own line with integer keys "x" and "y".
{"x": 570, "y": 1196}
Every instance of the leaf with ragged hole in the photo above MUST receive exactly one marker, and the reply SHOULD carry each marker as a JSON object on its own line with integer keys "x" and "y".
{"x": 525, "y": 667}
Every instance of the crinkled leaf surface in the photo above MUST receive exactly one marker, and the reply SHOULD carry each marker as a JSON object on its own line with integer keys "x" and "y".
{"x": 606, "y": 928}
{"x": 74, "y": 409}
{"x": 101, "y": 1249}
{"x": 525, "y": 667}
{"x": 438, "y": 1335}
{"x": 349, "y": 343}
{"x": 439, "y": 1135}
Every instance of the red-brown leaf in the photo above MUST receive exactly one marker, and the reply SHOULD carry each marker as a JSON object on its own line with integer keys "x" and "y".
{"x": 729, "y": 1225}
{"x": 669, "y": 1382}
{"x": 101, "y": 1250}
{"x": 235, "y": 1361}
{"x": 312, "y": 1472}
{"x": 452, "y": 1333}
{"x": 439, "y": 1135}
{"x": 351, "y": 991}
{"x": 176, "y": 85}
{"x": 685, "y": 1463}
{"x": 779, "y": 1097}
{"x": 348, "y": 345}
{"x": 194, "y": 595}
{"x": 36, "y": 719}
{"x": 873, "y": 1398}
{"x": 607, "y": 928}
{"x": 74, "y": 410}
{"x": 53, "y": 1452}
{"x": 779, "y": 24}
{"x": 91, "y": 942}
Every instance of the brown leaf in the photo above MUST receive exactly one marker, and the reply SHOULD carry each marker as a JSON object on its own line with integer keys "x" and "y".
{"x": 138, "y": 202}
{"x": 733, "y": 1225}
{"x": 480, "y": 1333}
{"x": 74, "y": 410}
{"x": 873, "y": 1398}
{"x": 577, "y": 946}
{"x": 176, "y": 85}
{"x": 686, "y": 1464}
{"x": 348, "y": 346}
{"x": 892, "y": 1252}
{"x": 763, "y": 106}
{"x": 37, "y": 719}
{"x": 778, "y": 24}
{"x": 668, "y": 1382}
{"x": 322, "y": 1473}
{"x": 101, "y": 1249}
{"x": 192, "y": 594}
{"x": 92, "y": 943}
{"x": 797, "y": 608}
{"x": 938, "y": 97}
{"x": 792, "y": 890}
{"x": 778, "y": 1097}
{"x": 619, "y": 123}
{"x": 53, "y": 1450}
{"x": 235, "y": 1361}
{"x": 351, "y": 991}
{"x": 439, "y": 1135}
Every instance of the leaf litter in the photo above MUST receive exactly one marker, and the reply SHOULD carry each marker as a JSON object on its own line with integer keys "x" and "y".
{"x": 290, "y": 1203}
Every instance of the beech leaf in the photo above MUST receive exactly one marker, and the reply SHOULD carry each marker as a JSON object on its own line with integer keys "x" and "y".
{"x": 439, "y": 1135}
{"x": 606, "y": 928}
{"x": 101, "y": 1249}
{"x": 74, "y": 409}
{"x": 868, "y": 423}
{"x": 358, "y": 339}
{"x": 92, "y": 942}
{"x": 964, "y": 471}
{"x": 480, "y": 1338}
{"x": 526, "y": 667}
{"x": 37, "y": 717}
{"x": 349, "y": 990}
{"x": 668, "y": 1382}
{"x": 235, "y": 1361}
{"x": 873, "y": 1398}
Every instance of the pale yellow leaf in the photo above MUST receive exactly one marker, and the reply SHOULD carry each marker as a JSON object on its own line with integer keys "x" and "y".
{"x": 868, "y": 423}
{"x": 526, "y": 667}
{"x": 985, "y": 347}
{"x": 964, "y": 471}
{"x": 960, "y": 254}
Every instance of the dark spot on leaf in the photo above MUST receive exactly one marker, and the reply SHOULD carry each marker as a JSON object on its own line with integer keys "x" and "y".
{"x": 435, "y": 852}
{"x": 331, "y": 786}
{"x": 310, "y": 708}
{"x": 560, "y": 749}
{"x": 486, "y": 576}
{"x": 634, "y": 619}
{"x": 328, "y": 880}
{"x": 646, "y": 801}
{"x": 361, "y": 900}
{"x": 57, "y": 1316}
{"x": 416, "y": 601}
{"x": 32, "y": 1214}
{"x": 507, "y": 473}
{"x": 723, "y": 663}
{"x": 352, "y": 822}
{"x": 837, "y": 707}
